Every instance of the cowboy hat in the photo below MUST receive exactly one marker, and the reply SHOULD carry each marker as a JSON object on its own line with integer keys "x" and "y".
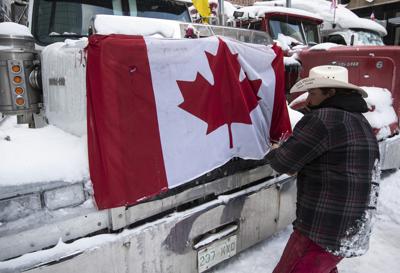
{"x": 327, "y": 76}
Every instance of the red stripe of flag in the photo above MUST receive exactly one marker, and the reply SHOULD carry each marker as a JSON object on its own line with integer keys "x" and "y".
{"x": 125, "y": 154}
{"x": 280, "y": 123}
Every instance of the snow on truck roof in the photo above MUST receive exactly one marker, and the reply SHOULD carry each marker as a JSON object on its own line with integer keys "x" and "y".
{"x": 108, "y": 24}
{"x": 345, "y": 18}
{"x": 260, "y": 11}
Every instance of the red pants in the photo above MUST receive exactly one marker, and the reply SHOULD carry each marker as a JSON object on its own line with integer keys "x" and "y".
{"x": 301, "y": 255}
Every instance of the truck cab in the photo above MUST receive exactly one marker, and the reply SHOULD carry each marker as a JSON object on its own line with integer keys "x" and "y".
{"x": 301, "y": 28}
{"x": 292, "y": 29}
{"x": 340, "y": 25}
{"x": 348, "y": 41}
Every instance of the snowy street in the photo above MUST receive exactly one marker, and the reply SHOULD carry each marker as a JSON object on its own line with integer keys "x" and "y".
{"x": 383, "y": 255}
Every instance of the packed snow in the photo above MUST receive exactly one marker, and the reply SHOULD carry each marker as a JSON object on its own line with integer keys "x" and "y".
{"x": 383, "y": 255}
{"x": 380, "y": 101}
{"x": 213, "y": 237}
{"x": 42, "y": 155}
{"x": 111, "y": 24}
{"x": 9, "y": 28}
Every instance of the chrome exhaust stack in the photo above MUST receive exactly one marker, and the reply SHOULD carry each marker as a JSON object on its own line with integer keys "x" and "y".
{"x": 20, "y": 78}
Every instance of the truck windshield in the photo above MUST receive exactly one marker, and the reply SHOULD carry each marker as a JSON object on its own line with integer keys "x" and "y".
{"x": 291, "y": 29}
{"x": 365, "y": 37}
{"x": 311, "y": 32}
{"x": 56, "y": 20}
{"x": 302, "y": 32}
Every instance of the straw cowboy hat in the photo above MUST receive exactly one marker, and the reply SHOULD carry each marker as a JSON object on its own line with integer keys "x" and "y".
{"x": 327, "y": 76}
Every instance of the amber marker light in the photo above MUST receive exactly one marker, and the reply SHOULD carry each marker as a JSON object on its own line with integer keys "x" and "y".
{"x": 19, "y": 90}
{"x": 17, "y": 79}
{"x": 16, "y": 68}
{"x": 19, "y": 101}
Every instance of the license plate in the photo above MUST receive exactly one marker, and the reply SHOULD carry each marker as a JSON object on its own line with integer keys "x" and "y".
{"x": 216, "y": 253}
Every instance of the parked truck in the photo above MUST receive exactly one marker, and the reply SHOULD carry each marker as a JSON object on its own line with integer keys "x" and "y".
{"x": 292, "y": 29}
{"x": 371, "y": 64}
{"x": 340, "y": 25}
{"x": 51, "y": 223}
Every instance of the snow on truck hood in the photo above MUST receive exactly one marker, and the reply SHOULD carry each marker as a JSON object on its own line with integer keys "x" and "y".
{"x": 40, "y": 155}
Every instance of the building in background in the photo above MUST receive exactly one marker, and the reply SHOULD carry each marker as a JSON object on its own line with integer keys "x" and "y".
{"x": 386, "y": 12}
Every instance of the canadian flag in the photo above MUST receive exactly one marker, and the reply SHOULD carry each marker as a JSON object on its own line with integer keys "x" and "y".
{"x": 162, "y": 112}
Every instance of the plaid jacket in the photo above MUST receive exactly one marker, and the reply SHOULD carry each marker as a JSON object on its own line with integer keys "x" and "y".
{"x": 334, "y": 153}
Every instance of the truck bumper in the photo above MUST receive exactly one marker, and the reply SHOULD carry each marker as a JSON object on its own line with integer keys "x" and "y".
{"x": 168, "y": 244}
{"x": 390, "y": 150}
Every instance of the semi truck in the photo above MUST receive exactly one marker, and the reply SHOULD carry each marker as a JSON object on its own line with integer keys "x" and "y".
{"x": 340, "y": 25}
{"x": 371, "y": 64}
{"x": 53, "y": 223}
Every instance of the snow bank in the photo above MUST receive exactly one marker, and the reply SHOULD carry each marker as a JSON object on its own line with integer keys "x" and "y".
{"x": 9, "y": 28}
{"x": 40, "y": 155}
{"x": 383, "y": 114}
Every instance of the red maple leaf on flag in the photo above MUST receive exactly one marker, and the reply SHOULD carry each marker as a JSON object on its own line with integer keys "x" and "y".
{"x": 228, "y": 100}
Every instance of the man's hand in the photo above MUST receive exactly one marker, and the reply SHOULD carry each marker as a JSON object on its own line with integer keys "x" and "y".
{"x": 274, "y": 146}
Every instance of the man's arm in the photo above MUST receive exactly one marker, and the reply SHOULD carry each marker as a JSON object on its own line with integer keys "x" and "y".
{"x": 308, "y": 141}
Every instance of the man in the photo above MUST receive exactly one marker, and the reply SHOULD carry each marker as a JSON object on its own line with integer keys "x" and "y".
{"x": 335, "y": 154}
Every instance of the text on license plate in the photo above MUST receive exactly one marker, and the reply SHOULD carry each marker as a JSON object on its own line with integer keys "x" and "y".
{"x": 216, "y": 253}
